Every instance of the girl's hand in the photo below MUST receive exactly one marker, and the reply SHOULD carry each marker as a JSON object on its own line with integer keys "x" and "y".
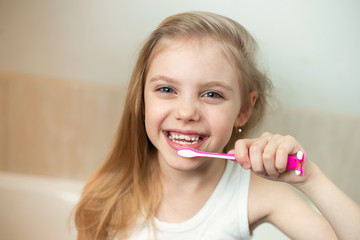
{"x": 267, "y": 157}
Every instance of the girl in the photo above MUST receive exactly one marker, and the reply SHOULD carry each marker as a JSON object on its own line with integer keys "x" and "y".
{"x": 195, "y": 84}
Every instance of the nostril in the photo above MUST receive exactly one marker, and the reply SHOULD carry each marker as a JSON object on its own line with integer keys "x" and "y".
{"x": 187, "y": 112}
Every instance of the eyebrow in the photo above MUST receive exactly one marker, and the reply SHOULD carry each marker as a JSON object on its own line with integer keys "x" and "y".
{"x": 219, "y": 84}
{"x": 162, "y": 77}
{"x": 207, "y": 84}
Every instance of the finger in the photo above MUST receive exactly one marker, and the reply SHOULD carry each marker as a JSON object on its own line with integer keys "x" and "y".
{"x": 256, "y": 152}
{"x": 242, "y": 152}
{"x": 292, "y": 178}
{"x": 270, "y": 154}
{"x": 288, "y": 146}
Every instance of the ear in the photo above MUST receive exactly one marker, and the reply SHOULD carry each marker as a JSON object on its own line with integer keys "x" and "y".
{"x": 244, "y": 116}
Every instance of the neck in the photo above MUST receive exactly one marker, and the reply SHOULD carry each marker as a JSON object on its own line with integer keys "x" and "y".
{"x": 186, "y": 192}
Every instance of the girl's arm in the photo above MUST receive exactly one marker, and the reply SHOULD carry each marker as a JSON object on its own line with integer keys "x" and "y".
{"x": 342, "y": 212}
{"x": 276, "y": 203}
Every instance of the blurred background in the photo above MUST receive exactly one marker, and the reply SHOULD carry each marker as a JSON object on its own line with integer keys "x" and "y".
{"x": 310, "y": 48}
{"x": 65, "y": 66}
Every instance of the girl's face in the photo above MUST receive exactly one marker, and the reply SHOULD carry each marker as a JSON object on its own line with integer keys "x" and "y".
{"x": 192, "y": 99}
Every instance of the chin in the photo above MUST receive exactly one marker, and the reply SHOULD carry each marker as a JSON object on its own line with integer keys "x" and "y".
{"x": 183, "y": 164}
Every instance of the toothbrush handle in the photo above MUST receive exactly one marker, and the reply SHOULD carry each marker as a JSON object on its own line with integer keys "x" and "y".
{"x": 219, "y": 155}
{"x": 292, "y": 163}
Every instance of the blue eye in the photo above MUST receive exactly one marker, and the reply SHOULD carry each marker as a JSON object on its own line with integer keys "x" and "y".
{"x": 166, "y": 90}
{"x": 212, "y": 95}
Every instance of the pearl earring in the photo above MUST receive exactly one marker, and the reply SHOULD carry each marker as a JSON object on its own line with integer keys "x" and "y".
{"x": 239, "y": 130}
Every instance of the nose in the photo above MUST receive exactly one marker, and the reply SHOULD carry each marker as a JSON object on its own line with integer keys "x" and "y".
{"x": 187, "y": 111}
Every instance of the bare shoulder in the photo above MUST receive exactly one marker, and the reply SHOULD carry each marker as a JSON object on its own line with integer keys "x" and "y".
{"x": 277, "y": 203}
{"x": 264, "y": 198}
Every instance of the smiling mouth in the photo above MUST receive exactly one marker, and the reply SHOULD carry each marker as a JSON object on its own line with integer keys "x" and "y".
{"x": 184, "y": 139}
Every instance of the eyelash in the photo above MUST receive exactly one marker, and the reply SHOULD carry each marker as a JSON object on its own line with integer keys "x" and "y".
{"x": 213, "y": 95}
{"x": 165, "y": 90}
{"x": 209, "y": 94}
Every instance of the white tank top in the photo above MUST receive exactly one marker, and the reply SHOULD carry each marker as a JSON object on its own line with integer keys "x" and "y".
{"x": 224, "y": 216}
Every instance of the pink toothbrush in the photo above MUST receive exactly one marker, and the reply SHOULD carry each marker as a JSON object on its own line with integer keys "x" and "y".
{"x": 294, "y": 162}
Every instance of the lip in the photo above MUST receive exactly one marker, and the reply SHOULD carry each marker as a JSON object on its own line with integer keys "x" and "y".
{"x": 176, "y": 146}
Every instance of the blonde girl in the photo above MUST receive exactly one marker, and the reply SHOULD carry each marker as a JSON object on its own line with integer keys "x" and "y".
{"x": 195, "y": 84}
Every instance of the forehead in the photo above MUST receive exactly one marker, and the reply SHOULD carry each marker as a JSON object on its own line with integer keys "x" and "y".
{"x": 176, "y": 42}
{"x": 182, "y": 53}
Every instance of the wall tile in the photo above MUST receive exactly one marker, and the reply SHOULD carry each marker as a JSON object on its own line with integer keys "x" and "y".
{"x": 3, "y": 125}
{"x": 60, "y": 128}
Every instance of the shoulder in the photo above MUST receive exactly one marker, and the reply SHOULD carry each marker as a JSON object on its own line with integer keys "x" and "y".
{"x": 277, "y": 203}
{"x": 269, "y": 199}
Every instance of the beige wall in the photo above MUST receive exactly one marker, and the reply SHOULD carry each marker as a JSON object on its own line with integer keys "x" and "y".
{"x": 56, "y": 128}
{"x": 65, "y": 128}
{"x": 3, "y": 125}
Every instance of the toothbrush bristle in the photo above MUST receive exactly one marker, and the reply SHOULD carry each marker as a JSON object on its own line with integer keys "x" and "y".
{"x": 185, "y": 152}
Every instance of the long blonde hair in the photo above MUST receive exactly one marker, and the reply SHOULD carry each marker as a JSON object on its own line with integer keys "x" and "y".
{"x": 126, "y": 191}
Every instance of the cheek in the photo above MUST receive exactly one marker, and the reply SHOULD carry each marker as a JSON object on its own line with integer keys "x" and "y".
{"x": 222, "y": 124}
{"x": 149, "y": 118}
{"x": 154, "y": 115}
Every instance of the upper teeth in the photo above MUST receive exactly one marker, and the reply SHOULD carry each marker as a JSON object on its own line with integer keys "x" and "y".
{"x": 177, "y": 138}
